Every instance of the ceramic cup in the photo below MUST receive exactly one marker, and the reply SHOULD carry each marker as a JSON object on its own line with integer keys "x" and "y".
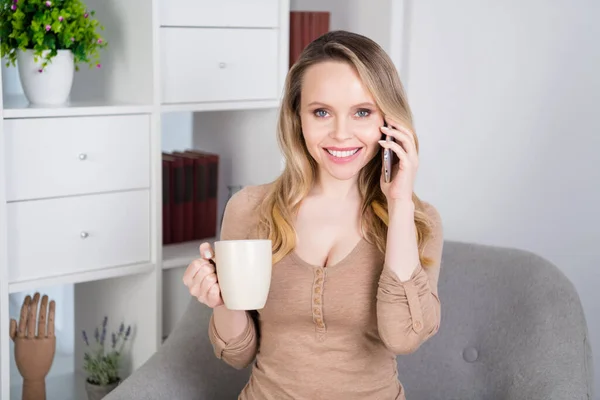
{"x": 244, "y": 272}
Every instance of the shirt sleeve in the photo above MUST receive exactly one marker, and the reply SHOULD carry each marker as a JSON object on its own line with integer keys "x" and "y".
{"x": 238, "y": 352}
{"x": 408, "y": 313}
{"x": 238, "y": 220}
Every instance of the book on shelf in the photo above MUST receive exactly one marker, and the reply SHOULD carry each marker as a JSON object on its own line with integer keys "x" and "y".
{"x": 306, "y": 26}
{"x": 189, "y": 187}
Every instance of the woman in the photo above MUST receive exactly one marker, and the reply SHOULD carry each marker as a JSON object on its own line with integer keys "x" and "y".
{"x": 356, "y": 259}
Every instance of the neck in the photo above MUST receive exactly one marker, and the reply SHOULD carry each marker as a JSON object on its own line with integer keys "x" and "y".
{"x": 328, "y": 186}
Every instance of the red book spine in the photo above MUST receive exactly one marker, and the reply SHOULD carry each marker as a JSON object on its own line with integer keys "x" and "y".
{"x": 188, "y": 203}
{"x": 178, "y": 201}
{"x": 200, "y": 193}
{"x": 166, "y": 199}
{"x": 295, "y": 37}
{"x": 202, "y": 220}
{"x": 189, "y": 162}
{"x": 305, "y": 26}
{"x": 212, "y": 193}
{"x": 208, "y": 192}
{"x": 323, "y": 23}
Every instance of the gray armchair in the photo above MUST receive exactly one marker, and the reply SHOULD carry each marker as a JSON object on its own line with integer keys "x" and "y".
{"x": 512, "y": 328}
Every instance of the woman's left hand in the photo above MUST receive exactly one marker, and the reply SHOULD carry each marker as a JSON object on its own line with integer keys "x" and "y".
{"x": 400, "y": 187}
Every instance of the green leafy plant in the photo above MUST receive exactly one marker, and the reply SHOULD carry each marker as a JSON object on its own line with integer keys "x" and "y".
{"x": 101, "y": 365}
{"x": 46, "y": 26}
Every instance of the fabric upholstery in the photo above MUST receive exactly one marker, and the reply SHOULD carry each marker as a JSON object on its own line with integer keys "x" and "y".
{"x": 512, "y": 328}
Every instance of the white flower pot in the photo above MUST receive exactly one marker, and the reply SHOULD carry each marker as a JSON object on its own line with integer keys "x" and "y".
{"x": 50, "y": 86}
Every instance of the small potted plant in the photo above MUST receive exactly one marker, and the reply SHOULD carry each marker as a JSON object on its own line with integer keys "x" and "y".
{"x": 47, "y": 40}
{"x": 102, "y": 366}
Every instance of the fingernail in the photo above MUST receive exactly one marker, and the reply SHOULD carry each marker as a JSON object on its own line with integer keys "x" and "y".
{"x": 207, "y": 254}
{"x": 385, "y": 128}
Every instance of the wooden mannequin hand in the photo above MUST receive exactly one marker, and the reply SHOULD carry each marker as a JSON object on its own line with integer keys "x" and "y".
{"x": 34, "y": 353}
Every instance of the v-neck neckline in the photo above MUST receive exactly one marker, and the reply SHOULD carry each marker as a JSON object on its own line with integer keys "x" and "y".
{"x": 352, "y": 252}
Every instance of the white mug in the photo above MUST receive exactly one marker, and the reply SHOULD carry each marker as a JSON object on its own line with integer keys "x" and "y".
{"x": 244, "y": 272}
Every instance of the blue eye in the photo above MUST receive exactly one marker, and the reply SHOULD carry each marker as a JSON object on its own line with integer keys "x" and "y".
{"x": 363, "y": 113}
{"x": 320, "y": 113}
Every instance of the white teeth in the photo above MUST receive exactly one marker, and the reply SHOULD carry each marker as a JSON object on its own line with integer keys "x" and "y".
{"x": 342, "y": 154}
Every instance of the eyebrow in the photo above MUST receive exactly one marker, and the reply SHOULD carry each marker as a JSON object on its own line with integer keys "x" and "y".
{"x": 366, "y": 104}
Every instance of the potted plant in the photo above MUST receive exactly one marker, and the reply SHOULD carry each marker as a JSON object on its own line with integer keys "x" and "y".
{"x": 47, "y": 40}
{"x": 102, "y": 366}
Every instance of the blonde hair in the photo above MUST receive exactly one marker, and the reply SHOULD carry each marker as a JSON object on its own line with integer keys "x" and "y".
{"x": 287, "y": 192}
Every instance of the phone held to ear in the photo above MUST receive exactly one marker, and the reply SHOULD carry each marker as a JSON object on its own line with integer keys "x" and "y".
{"x": 387, "y": 158}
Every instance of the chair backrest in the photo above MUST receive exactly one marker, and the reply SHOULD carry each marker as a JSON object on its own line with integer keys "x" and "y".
{"x": 512, "y": 328}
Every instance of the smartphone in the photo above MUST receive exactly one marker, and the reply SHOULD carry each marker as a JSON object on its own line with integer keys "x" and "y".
{"x": 387, "y": 156}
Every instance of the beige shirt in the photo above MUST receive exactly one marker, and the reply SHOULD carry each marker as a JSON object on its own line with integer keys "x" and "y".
{"x": 330, "y": 333}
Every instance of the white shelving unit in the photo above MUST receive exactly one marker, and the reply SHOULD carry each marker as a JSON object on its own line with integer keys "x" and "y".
{"x": 80, "y": 185}
{"x": 209, "y": 73}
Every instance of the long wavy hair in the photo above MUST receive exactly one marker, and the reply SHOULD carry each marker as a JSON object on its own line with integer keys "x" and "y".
{"x": 378, "y": 73}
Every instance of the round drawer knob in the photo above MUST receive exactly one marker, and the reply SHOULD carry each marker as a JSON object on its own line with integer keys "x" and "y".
{"x": 222, "y": 65}
{"x": 82, "y": 156}
{"x": 84, "y": 235}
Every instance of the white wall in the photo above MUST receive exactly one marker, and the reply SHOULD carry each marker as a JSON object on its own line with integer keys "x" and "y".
{"x": 506, "y": 99}
{"x": 176, "y": 131}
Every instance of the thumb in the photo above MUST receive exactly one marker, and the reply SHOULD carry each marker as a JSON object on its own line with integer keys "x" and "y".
{"x": 206, "y": 251}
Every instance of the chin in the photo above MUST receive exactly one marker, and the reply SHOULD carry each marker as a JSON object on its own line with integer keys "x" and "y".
{"x": 343, "y": 175}
{"x": 343, "y": 164}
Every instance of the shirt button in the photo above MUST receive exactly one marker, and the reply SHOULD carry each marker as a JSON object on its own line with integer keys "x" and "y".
{"x": 317, "y": 300}
{"x": 317, "y": 311}
{"x": 470, "y": 354}
{"x": 317, "y": 290}
{"x": 418, "y": 324}
{"x": 319, "y": 272}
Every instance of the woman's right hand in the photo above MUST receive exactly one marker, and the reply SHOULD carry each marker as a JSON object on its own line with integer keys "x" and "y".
{"x": 200, "y": 277}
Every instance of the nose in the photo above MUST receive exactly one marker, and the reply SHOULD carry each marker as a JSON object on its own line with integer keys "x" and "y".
{"x": 340, "y": 130}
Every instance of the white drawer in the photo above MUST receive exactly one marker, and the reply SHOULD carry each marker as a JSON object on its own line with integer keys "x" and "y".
{"x": 220, "y": 13}
{"x": 206, "y": 65}
{"x": 50, "y": 157}
{"x": 75, "y": 234}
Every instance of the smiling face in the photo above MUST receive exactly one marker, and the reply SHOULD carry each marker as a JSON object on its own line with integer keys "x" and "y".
{"x": 340, "y": 121}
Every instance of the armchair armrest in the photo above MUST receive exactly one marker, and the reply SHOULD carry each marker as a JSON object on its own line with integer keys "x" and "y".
{"x": 184, "y": 367}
